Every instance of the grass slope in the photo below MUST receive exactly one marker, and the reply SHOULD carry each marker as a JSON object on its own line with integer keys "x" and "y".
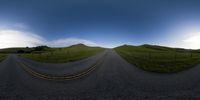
{"x": 13, "y": 50}
{"x": 25, "y": 50}
{"x": 2, "y": 57}
{"x": 62, "y": 55}
{"x": 159, "y": 59}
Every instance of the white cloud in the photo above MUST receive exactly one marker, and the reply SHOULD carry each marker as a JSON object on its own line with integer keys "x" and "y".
{"x": 14, "y": 38}
{"x": 193, "y": 41}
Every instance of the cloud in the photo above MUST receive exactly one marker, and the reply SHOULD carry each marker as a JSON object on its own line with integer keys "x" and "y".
{"x": 15, "y": 38}
{"x": 192, "y": 41}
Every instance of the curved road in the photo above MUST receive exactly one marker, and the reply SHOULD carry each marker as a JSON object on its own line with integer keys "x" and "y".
{"x": 63, "y": 68}
{"x": 113, "y": 79}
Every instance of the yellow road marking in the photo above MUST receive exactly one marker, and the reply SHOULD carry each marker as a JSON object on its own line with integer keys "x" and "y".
{"x": 67, "y": 77}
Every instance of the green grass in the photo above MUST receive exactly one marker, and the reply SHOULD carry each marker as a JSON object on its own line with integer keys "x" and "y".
{"x": 62, "y": 55}
{"x": 2, "y": 57}
{"x": 12, "y": 50}
{"x": 159, "y": 59}
{"x": 26, "y": 50}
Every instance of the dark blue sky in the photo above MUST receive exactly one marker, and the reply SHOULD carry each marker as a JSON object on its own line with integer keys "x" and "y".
{"x": 105, "y": 22}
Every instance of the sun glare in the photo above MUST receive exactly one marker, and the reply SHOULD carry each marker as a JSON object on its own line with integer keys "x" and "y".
{"x": 193, "y": 41}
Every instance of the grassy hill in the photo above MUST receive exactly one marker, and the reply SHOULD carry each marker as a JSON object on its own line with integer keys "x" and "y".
{"x": 62, "y": 55}
{"x": 159, "y": 58}
{"x": 2, "y": 57}
{"x": 13, "y": 50}
{"x": 38, "y": 49}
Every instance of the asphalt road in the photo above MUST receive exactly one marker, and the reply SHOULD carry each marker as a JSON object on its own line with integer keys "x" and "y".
{"x": 112, "y": 79}
{"x": 62, "y": 68}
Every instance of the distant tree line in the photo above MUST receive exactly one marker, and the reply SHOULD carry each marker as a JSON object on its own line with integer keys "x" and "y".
{"x": 34, "y": 49}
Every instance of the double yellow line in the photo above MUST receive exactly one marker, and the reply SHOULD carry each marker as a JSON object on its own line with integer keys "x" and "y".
{"x": 64, "y": 77}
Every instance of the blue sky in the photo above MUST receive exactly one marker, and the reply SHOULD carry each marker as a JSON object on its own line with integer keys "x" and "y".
{"x": 107, "y": 23}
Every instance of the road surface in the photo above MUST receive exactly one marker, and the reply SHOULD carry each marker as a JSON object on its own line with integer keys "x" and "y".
{"x": 112, "y": 79}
